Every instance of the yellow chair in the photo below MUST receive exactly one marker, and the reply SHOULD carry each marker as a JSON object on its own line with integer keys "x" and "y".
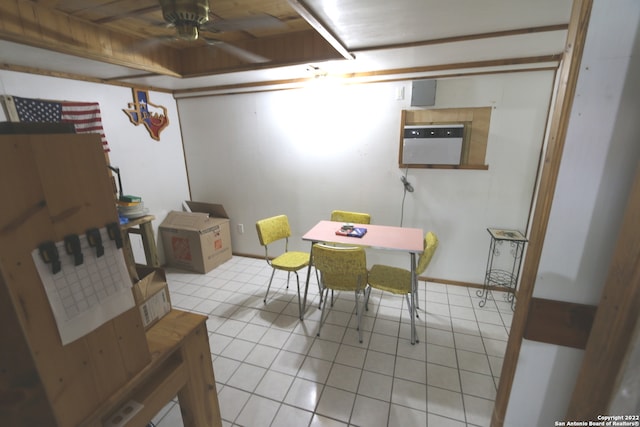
{"x": 398, "y": 280}
{"x": 275, "y": 229}
{"x": 347, "y": 217}
{"x": 351, "y": 217}
{"x": 341, "y": 269}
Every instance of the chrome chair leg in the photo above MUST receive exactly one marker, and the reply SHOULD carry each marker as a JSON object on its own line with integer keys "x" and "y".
{"x": 408, "y": 303}
{"x": 299, "y": 300}
{"x": 359, "y": 316}
{"x": 322, "y": 316}
{"x": 320, "y": 289}
{"x": 367, "y": 292}
{"x": 269, "y": 287}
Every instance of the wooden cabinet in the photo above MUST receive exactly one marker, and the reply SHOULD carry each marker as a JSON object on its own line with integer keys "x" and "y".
{"x": 52, "y": 186}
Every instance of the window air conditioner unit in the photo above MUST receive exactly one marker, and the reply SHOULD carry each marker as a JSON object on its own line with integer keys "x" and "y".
{"x": 432, "y": 144}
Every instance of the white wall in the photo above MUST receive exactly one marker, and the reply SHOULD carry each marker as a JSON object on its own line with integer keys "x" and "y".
{"x": 598, "y": 165}
{"x": 154, "y": 170}
{"x": 305, "y": 152}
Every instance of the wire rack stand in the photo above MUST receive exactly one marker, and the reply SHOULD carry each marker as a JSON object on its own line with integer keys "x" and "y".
{"x": 503, "y": 271}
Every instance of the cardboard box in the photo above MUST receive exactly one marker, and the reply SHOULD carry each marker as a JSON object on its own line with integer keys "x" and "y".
{"x": 151, "y": 294}
{"x": 199, "y": 240}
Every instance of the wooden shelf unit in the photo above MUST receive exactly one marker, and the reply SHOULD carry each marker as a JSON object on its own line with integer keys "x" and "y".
{"x": 180, "y": 365}
{"x": 52, "y": 186}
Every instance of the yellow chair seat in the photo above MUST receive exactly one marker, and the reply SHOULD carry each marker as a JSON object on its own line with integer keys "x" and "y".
{"x": 391, "y": 279}
{"x": 348, "y": 217}
{"x": 291, "y": 261}
{"x": 341, "y": 269}
{"x": 276, "y": 229}
{"x": 398, "y": 280}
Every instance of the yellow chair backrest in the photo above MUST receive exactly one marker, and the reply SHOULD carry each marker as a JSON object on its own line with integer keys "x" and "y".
{"x": 353, "y": 217}
{"x": 430, "y": 245}
{"x": 273, "y": 229}
{"x": 342, "y": 268}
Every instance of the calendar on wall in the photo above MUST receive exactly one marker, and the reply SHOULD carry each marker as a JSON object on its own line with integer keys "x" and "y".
{"x": 86, "y": 281}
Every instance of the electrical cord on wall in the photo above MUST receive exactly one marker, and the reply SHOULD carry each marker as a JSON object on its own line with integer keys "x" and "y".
{"x": 407, "y": 188}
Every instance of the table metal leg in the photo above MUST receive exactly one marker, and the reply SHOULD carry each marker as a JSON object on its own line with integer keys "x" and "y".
{"x": 412, "y": 309}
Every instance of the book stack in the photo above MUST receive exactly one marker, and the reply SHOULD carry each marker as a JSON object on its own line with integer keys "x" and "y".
{"x": 130, "y": 207}
{"x": 351, "y": 231}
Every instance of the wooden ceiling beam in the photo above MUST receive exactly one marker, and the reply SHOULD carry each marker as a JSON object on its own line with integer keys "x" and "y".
{"x": 301, "y": 47}
{"x": 28, "y": 23}
{"x": 468, "y": 37}
{"x": 308, "y": 15}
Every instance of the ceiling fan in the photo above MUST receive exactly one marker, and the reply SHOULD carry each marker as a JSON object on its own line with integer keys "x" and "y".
{"x": 190, "y": 17}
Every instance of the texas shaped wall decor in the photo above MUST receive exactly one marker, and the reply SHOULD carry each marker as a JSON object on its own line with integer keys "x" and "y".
{"x": 141, "y": 111}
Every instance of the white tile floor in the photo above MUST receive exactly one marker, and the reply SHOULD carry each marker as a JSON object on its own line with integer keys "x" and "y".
{"x": 272, "y": 370}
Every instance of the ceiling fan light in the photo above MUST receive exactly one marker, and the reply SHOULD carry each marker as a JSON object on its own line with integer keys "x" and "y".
{"x": 186, "y": 30}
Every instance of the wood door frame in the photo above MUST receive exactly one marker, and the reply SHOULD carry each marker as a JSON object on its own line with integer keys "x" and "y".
{"x": 615, "y": 322}
{"x": 561, "y": 112}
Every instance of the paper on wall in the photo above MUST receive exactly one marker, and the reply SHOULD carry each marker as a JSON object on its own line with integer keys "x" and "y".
{"x": 86, "y": 296}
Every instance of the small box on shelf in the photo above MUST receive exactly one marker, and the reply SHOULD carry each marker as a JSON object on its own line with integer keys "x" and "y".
{"x": 151, "y": 293}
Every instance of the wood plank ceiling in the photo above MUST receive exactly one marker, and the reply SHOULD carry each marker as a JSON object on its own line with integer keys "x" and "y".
{"x": 133, "y": 38}
{"x": 134, "y": 34}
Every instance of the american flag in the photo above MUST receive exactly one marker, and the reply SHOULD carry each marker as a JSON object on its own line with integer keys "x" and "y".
{"x": 85, "y": 116}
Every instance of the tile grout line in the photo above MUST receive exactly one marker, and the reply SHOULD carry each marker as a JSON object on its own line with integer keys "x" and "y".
{"x": 455, "y": 351}
{"x": 361, "y": 368}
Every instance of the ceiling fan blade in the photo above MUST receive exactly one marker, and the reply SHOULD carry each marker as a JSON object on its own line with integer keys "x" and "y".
{"x": 254, "y": 22}
{"x": 151, "y": 42}
{"x": 236, "y": 51}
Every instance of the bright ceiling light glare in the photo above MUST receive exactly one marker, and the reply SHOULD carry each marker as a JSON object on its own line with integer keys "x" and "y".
{"x": 317, "y": 126}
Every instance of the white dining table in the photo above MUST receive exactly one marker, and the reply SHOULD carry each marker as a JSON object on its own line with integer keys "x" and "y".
{"x": 385, "y": 237}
